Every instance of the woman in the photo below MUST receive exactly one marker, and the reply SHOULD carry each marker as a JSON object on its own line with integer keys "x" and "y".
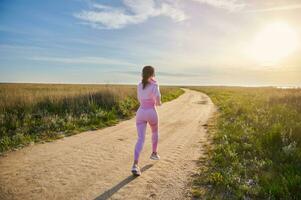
{"x": 149, "y": 96}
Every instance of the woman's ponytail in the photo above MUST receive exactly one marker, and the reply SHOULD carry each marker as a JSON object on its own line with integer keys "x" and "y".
{"x": 147, "y": 72}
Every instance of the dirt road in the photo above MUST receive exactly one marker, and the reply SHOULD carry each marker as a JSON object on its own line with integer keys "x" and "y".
{"x": 96, "y": 164}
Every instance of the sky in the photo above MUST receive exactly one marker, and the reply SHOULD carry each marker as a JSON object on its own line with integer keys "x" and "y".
{"x": 189, "y": 42}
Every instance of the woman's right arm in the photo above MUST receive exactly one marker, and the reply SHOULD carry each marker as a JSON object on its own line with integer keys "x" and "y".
{"x": 138, "y": 91}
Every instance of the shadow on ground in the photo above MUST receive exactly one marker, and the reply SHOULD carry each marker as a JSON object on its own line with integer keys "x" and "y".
{"x": 107, "y": 194}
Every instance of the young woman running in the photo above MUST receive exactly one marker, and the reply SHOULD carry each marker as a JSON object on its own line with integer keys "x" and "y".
{"x": 149, "y": 96}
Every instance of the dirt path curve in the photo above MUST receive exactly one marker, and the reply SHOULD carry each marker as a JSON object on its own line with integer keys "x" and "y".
{"x": 96, "y": 164}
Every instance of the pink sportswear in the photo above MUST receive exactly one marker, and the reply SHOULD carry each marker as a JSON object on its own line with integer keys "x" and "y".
{"x": 147, "y": 113}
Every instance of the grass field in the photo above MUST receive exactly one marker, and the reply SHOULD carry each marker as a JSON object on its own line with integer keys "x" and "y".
{"x": 43, "y": 112}
{"x": 257, "y": 145}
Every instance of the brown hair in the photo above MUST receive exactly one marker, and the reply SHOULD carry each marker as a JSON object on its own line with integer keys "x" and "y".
{"x": 147, "y": 72}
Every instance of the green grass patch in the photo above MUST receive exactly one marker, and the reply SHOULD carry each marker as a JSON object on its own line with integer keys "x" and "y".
{"x": 256, "y": 152}
{"x": 44, "y": 112}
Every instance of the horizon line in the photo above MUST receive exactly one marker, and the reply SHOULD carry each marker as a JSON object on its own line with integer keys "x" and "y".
{"x": 184, "y": 85}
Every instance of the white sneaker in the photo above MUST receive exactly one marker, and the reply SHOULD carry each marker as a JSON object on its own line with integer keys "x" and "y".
{"x": 155, "y": 156}
{"x": 136, "y": 170}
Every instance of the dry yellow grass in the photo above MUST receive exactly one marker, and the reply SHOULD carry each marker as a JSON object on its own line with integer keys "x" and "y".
{"x": 38, "y": 112}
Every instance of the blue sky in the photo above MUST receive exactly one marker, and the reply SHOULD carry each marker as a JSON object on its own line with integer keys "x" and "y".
{"x": 200, "y": 42}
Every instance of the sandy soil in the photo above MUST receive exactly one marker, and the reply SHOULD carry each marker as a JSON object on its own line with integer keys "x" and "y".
{"x": 96, "y": 164}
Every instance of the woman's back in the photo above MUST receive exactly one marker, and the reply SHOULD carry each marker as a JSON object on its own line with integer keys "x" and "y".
{"x": 149, "y": 95}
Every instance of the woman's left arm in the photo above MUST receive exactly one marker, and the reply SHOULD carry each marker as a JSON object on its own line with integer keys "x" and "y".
{"x": 157, "y": 95}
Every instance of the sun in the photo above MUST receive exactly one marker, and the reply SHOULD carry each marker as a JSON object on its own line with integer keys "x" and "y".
{"x": 275, "y": 42}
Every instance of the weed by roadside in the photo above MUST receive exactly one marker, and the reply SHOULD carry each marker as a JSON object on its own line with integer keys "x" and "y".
{"x": 257, "y": 145}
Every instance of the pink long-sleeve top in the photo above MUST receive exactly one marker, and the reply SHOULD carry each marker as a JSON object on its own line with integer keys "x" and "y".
{"x": 150, "y": 95}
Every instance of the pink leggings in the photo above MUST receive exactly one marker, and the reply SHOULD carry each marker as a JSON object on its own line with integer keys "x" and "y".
{"x": 144, "y": 116}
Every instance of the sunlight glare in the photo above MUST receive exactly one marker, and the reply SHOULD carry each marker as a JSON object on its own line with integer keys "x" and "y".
{"x": 273, "y": 43}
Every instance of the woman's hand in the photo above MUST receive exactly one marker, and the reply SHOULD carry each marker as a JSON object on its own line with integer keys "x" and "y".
{"x": 158, "y": 101}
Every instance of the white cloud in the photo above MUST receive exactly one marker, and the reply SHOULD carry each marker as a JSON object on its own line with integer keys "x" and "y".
{"x": 83, "y": 60}
{"x": 100, "y": 6}
{"x": 135, "y": 11}
{"x": 231, "y": 5}
{"x": 277, "y": 8}
{"x": 138, "y": 11}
